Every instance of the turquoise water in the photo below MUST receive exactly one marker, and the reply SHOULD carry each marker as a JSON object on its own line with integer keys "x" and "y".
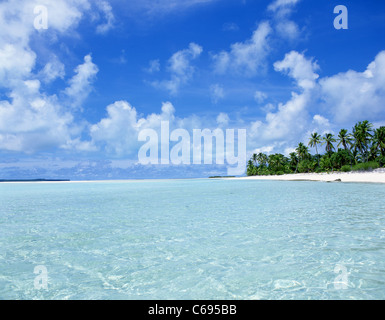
{"x": 193, "y": 239}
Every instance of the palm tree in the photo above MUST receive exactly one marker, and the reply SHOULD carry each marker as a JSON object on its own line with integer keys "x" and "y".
{"x": 255, "y": 158}
{"x": 250, "y": 168}
{"x": 293, "y": 160}
{"x": 328, "y": 140}
{"x": 362, "y": 133}
{"x": 277, "y": 162}
{"x": 302, "y": 151}
{"x": 314, "y": 141}
{"x": 262, "y": 159}
{"x": 345, "y": 139}
{"x": 379, "y": 140}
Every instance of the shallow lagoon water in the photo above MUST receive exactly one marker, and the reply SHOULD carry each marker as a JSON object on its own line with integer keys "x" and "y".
{"x": 193, "y": 239}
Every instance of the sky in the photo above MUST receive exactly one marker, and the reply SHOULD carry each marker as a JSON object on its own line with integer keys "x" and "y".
{"x": 78, "y": 84}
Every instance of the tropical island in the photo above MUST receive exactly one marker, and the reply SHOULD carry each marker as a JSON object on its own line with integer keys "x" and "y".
{"x": 361, "y": 151}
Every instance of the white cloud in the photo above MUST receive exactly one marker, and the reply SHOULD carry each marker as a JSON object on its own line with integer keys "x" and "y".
{"x": 266, "y": 149}
{"x": 354, "y": 96}
{"x": 16, "y": 62}
{"x": 179, "y": 63}
{"x": 339, "y": 100}
{"x": 247, "y": 57}
{"x": 269, "y": 107}
{"x": 52, "y": 70}
{"x": 217, "y": 93}
{"x": 321, "y": 121}
{"x": 80, "y": 84}
{"x": 319, "y": 124}
{"x": 299, "y": 68}
{"x": 106, "y": 8}
{"x": 285, "y": 28}
{"x": 30, "y": 119}
{"x": 260, "y": 96}
{"x": 180, "y": 68}
{"x": 281, "y": 4}
{"x": 223, "y": 119}
{"x": 17, "y": 18}
{"x": 290, "y": 121}
{"x": 288, "y": 29}
{"x": 118, "y": 132}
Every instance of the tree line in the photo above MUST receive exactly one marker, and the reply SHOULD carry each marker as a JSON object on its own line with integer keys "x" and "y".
{"x": 362, "y": 149}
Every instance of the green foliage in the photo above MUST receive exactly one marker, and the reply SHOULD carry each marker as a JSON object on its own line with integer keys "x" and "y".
{"x": 346, "y": 168}
{"x": 363, "y": 149}
{"x": 381, "y": 161}
{"x": 366, "y": 166}
{"x": 325, "y": 163}
{"x": 379, "y": 140}
{"x": 306, "y": 166}
{"x": 341, "y": 158}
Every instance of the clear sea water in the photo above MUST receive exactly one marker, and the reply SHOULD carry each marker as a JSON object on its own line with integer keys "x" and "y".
{"x": 193, "y": 239}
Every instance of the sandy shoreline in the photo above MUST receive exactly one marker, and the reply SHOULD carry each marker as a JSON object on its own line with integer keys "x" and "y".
{"x": 376, "y": 176}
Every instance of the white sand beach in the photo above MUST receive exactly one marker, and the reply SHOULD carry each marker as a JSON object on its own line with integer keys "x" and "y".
{"x": 375, "y": 176}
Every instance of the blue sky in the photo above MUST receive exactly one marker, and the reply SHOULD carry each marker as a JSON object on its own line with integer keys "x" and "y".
{"x": 73, "y": 97}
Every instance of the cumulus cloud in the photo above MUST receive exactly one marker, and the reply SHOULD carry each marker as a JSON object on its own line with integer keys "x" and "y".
{"x": 179, "y": 63}
{"x": 245, "y": 57}
{"x": 180, "y": 68}
{"x": 341, "y": 99}
{"x": 80, "y": 85}
{"x": 118, "y": 130}
{"x": 352, "y": 95}
{"x": 299, "y": 68}
{"x": 290, "y": 120}
{"x": 30, "y": 119}
{"x": 117, "y": 133}
{"x": 16, "y": 62}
